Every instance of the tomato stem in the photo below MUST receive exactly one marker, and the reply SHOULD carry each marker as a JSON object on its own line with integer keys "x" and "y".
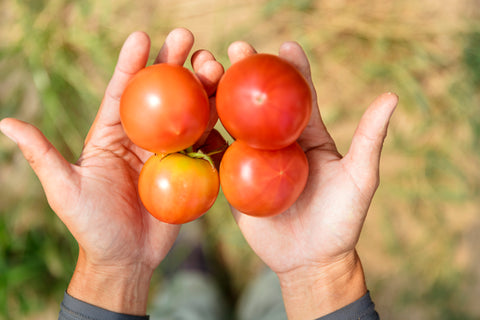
{"x": 200, "y": 155}
{"x": 220, "y": 150}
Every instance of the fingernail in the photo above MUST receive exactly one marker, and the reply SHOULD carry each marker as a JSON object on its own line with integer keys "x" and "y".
{"x": 4, "y": 130}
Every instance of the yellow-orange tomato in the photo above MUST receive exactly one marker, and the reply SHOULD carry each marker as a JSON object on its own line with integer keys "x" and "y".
{"x": 177, "y": 188}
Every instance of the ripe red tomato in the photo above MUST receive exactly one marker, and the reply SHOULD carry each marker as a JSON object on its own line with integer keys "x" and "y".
{"x": 177, "y": 188}
{"x": 263, "y": 182}
{"x": 164, "y": 108}
{"x": 264, "y": 101}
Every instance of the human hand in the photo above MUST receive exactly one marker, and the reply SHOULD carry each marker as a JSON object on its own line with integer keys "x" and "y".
{"x": 120, "y": 243}
{"x": 311, "y": 246}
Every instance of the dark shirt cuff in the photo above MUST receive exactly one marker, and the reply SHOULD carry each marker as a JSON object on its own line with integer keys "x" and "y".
{"x": 362, "y": 309}
{"x": 74, "y": 309}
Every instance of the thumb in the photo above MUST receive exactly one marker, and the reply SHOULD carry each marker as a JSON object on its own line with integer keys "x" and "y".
{"x": 363, "y": 158}
{"x": 53, "y": 171}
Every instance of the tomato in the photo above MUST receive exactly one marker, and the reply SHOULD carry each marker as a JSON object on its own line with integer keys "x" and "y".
{"x": 215, "y": 146}
{"x": 263, "y": 182}
{"x": 177, "y": 188}
{"x": 164, "y": 108}
{"x": 264, "y": 101}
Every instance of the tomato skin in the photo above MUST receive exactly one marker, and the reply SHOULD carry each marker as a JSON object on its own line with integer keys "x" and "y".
{"x": 264, "y": 101}
{"x": 263, "y": 183}
{"x": 176, "y": 188}
{"x": 164, "y": 108}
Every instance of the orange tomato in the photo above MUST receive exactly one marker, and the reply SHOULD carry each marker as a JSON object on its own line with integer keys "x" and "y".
{"x": 177, "y": 188}
{"x": 164, "y": 108}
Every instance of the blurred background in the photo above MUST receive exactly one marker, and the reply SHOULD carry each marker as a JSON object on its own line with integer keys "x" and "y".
{"x": 421, "y": 243}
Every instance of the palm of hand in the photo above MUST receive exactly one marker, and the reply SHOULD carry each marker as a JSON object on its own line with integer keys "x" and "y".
{"x": 107, "y": 216}
{"x": 97, "y": 197}
{"x": 324, "y": 225}
{"x": 321, "y": 226}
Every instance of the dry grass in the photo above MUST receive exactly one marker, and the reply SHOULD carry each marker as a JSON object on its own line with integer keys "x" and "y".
{"x": 420, "y": 245}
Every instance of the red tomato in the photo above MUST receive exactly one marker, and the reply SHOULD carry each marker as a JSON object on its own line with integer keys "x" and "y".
{"x": 176, "y": 188}
{"x": 164, "y": 108}
{"x": 263, "y": 182}
{"x": 264, "y": 101}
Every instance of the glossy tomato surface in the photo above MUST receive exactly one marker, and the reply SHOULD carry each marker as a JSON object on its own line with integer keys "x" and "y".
{"x": 264, "y": 101}
{"x": 177, "y": 189}
{"x": 164, "y": 108}
{"x": 263, "y": 182}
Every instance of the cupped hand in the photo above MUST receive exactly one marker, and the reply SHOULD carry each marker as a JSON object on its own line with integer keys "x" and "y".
{"x": 97, "y": 197}
{"x": 312, "y": 244}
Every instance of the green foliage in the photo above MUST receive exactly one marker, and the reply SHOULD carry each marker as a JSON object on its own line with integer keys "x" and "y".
{"x": 49, "y": 79}
{"x": 469, "y": 94}
{"x": 35, "y": 265}
{"x": 471, "y": 55}
{"x": 274, "y": 6}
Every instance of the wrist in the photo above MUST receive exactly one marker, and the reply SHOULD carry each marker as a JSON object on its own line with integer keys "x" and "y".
{"x": 122, "y": 289}
{"x": 313, "y": 291}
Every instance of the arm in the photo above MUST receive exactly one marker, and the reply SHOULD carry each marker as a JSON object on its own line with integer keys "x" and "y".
{"x": 311, "y": 246}
{"x": 120, "y": 243}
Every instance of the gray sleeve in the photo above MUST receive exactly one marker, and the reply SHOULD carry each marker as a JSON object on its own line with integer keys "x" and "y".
{"x": 74, "y": 309}
{"x": 362, "y": 309}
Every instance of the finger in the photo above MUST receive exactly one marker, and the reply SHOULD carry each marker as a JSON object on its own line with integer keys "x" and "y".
{"x": 293, "y": 53}
{"x": 133, "y": 57}
{"x": 54, "y": 172}
{"x": 363, "y": 158}
{"x": 199, "y": 57}
{"x": 239, "y": 50}
{"x": 207, "y": 69}
{"x": 315, "y": 134}
{"x": 212, "y": 121}
{"x": 176, "y": 47}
